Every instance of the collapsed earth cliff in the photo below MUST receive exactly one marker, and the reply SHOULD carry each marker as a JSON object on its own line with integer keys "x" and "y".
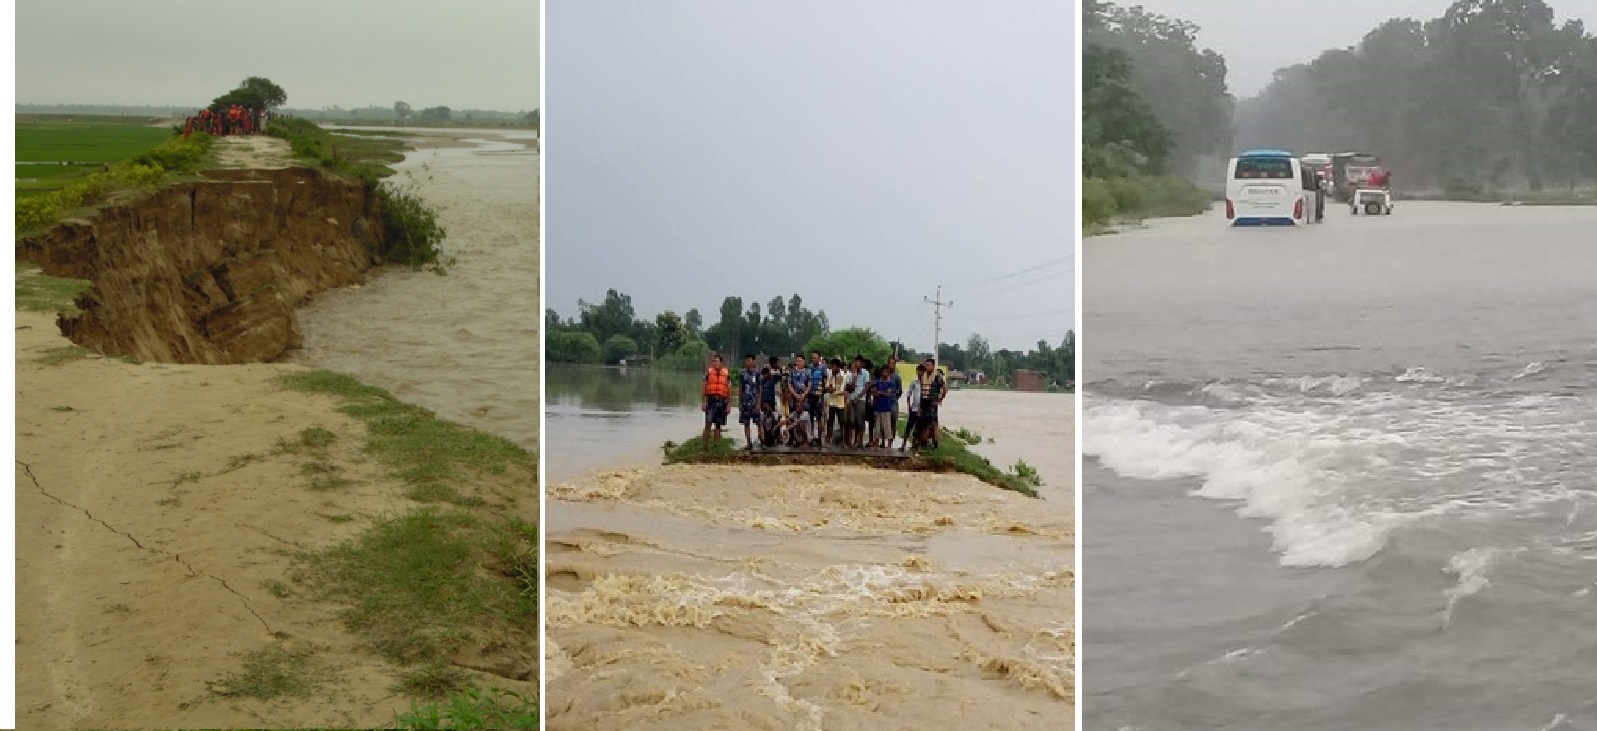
{"x": 210, "y": 271}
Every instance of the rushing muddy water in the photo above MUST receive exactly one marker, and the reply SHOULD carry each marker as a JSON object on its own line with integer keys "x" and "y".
{"x": 465, "y": 345}
{"x": 1343, "y": 476}
{"x": 815, "y": 597}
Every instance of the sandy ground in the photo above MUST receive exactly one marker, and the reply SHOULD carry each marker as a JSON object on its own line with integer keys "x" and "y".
{"x": 253, "y": 151}
{"x": 818, "y": 597}
{"x": 143, "y": 560}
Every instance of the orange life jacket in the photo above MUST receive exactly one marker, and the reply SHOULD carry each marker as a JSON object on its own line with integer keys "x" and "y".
{"x": 718, "y": 382}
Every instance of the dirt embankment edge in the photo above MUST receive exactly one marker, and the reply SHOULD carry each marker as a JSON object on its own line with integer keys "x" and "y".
{"x": 210, "y": 271}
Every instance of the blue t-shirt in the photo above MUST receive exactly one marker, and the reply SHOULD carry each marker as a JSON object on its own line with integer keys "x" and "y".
{"x": 861, "y": 381}
{"x": 800, "y": 379}
{"x": 751, "y": 385}
{"x": 768, "y": 388}
{"x": 884, "y": 396}
{"x": 818, "y": 376}
{"x": 898, "y": 385}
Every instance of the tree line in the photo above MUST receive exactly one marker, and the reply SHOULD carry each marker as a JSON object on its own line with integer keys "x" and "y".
{"x": 610, "y": 331}
{"x": 1154, "y": 105}
{"x": 1491, "y": 95}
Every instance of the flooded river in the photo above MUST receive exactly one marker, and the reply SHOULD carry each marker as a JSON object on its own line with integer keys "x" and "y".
{"x": 614, "y": 417}
{"x": 1343, "y": 476}
{"x": 787, "y": 597}
{"x": 465, "y": 345}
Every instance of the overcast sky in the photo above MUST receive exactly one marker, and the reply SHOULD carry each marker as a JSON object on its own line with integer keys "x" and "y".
{"x": 1308, "y": 27}
{"x": 855, "y": 153}
{"x": 470, "y": 54}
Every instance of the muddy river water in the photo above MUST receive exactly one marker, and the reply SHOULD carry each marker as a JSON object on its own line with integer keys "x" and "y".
{"x": 789, "y": 597}
{"x": 465, "y": 345}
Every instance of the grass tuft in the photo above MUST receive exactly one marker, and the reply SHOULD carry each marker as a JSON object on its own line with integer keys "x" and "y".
{"x": 39, "y": 292}
{"x": 275, "y": 671}
{"x": 57, "y": 356}
{"x": 473, "y": 709}
{"x": 413, "y": 583}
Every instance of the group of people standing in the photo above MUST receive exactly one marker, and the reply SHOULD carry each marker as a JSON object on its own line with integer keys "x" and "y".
{"x": 234, "y": 120}
{"x": 820, "y": 403}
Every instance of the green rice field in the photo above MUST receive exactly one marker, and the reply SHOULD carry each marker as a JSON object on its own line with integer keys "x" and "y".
{"x": 88, "y": 140}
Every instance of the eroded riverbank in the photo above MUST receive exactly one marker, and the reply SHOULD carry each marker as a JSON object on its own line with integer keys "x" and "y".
{"x": 466, "y": 344}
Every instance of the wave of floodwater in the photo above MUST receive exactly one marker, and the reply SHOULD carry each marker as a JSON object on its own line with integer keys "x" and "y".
{"x": 1335, "y": 463}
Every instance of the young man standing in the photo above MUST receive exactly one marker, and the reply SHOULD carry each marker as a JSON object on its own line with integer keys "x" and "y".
{"x": 799, "y": 379}
{"x": 882, "y": 401}
{"x": 749, "y": 401}
{"x": 769, "y": 383}
{"x": 817, "y": 395}
{"x": 932, "y": 390}
{"x": 717, "y": 389}
{"x": 898, "y": 390}
{"x": 913, "y": 422}
{"x": 861, "y": 380}
{"x": 836, "y": 400}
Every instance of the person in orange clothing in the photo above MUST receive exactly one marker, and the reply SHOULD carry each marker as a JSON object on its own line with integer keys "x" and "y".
{"x": 717, "y": 389}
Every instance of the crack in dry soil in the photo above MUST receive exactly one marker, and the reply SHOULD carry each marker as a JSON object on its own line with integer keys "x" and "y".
{"x": 175, "y": 557}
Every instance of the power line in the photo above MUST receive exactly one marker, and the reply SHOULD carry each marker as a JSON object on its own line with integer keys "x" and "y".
{"x": 1011, "y": 287}
{"x": 1027, "y": 316}
{"x": 974, "y": 284}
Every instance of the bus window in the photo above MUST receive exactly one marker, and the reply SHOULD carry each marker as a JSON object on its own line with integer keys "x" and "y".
{"x": 1264, "y": 167}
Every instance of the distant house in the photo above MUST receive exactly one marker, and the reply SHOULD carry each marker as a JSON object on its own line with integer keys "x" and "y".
{"x": 1025, "y": 380}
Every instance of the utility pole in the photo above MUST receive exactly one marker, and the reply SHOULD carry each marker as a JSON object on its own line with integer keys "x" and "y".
{"x": 937, "y": 323}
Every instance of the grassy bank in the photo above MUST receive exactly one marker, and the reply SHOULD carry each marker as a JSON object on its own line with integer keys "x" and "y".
{"x": 1105, "y": 201}
{"x": 36, "y": 291}
{"x": 458, "y": 569}
{"x": 412, "y": 235}
{"x": 953, "y": 454}
{"x": 362, "y": 156}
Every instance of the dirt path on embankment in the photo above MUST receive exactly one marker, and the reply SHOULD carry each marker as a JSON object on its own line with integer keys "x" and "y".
{"x": 253, "y": 151}
{"x": 799, "y": 597}
{"x": 156, "y": 521}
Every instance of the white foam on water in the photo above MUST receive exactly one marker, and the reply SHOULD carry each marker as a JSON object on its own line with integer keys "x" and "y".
{"x": 1335, "y": 476}
{"x": 1470, "y": 567}
{"x": 1531, "y": 369}
{"x": 1419, "y": 374}
{"x": 1291, "y": 477}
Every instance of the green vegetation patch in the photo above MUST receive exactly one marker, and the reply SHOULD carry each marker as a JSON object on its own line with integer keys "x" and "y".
{"x": 951, "y": 455}
{"x": 147, "y": 170}
{"x": 39, "y": 292}
{"x": 85, "y": 140}
{"x": 279, "y": 670}
{"x": 472, "y": 709}
{"x": 363, "y": 157}
{"x": 57, "y": 356}
{"x": 418, "y": 584}
{"x": 412, "y": 235}
{"x": 418, "y": 448}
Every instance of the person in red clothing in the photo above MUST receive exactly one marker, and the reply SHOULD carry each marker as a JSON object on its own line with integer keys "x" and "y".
{"x": 1380, "y": 179}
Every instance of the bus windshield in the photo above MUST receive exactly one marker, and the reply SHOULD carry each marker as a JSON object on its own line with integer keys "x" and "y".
{"x": 1264, "y": 167}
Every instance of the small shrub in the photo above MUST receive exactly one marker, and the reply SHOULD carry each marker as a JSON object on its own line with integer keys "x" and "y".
{"x": 1026, "y": 473}
{"x": 1097, "y": 201}
{"x": 412, "y": 235}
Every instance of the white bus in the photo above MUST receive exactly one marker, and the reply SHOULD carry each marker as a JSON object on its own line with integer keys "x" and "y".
{"x": 1271, "y": 188}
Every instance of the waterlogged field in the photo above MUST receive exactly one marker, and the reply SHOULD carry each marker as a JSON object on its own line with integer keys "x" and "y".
{"x": 88, "y": 141}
